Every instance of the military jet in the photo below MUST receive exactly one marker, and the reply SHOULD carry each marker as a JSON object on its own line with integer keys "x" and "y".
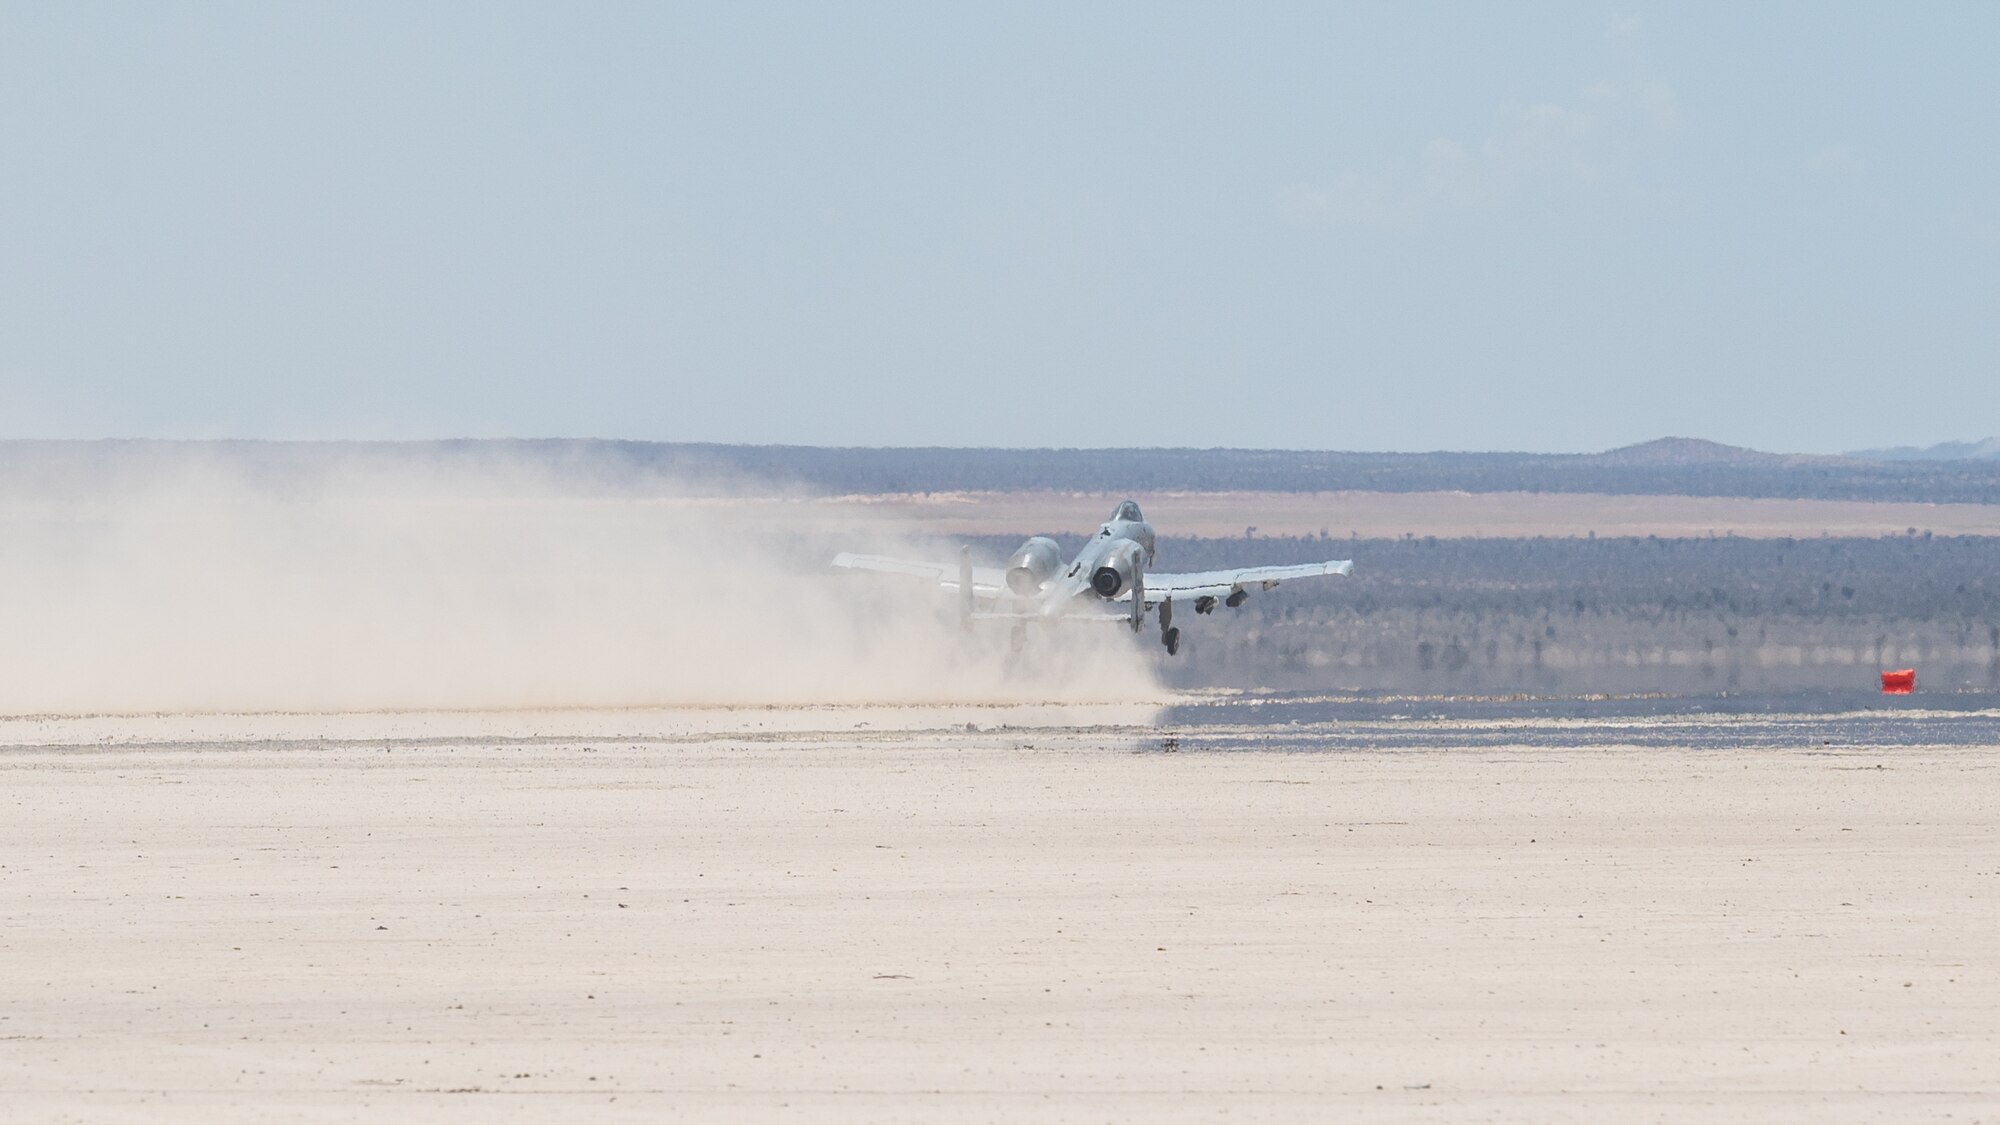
{"x": 1036, "y": 585}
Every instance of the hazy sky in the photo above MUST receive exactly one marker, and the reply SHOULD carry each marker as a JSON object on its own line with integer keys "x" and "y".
{"x": 1388, "y": 226}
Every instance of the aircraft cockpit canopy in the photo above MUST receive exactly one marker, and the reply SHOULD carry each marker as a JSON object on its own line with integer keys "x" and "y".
{"x": 1129, "y": 510}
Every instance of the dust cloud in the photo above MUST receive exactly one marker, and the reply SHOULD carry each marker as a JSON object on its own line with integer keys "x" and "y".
{"x": 194, "y": 584}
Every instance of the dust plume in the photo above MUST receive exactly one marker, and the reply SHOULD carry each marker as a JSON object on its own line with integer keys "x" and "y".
{"x": 192, "y": 582}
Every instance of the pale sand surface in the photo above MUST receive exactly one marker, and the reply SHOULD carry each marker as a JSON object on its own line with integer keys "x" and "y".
{"x": 1375, "y": 515}
{"x": 256, "y": 731}
{"x": 638, "y": 916}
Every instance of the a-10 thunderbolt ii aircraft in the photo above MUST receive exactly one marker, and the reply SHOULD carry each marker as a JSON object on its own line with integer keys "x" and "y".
{"x": 1036, "y": 585}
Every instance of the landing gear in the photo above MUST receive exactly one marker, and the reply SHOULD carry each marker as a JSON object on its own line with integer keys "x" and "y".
{"x": 1169, "y": 636}
{"x": 1019, "y": 640}
{"x": 1172, "y": 639}
{"x": 1236, "y": 599}
{"x": 1205, "y": 604}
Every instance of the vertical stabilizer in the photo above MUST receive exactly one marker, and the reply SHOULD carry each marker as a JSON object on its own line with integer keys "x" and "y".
{"x": 1138, "y": 595}
{"x": 965, "y": 587}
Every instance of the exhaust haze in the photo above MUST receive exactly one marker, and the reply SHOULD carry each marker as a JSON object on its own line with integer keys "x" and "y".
{"x": 198, "y": 586}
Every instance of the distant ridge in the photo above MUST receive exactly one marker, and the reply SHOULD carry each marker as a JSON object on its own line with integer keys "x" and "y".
{"x": 1686, "y": 451}
{"x": 1942, "y": 451}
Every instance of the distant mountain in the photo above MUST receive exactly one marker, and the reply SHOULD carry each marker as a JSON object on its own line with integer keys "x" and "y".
{"x": 1686, "y": 451}
{"x": 1942, "y": 451}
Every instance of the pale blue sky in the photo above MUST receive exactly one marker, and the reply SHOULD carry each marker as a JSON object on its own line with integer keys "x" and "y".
{"x": 1392, "y": 226}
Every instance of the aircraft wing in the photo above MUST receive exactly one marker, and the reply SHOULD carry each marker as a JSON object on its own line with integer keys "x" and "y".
{"x": 1220, "y": 583}
{"x": 987, "y": 581}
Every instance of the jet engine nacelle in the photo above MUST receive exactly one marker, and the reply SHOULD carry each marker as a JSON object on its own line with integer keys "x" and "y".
{"x": 1117, "y": 568}
{"x": 1034, "y": 564}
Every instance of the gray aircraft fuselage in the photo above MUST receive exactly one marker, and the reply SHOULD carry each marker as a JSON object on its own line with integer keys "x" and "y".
{"x": 1107, "y": 566}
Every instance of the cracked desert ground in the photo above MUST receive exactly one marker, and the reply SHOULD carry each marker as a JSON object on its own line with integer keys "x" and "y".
{"x": 943, "y": 914}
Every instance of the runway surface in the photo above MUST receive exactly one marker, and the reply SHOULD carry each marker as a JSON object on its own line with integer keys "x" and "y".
{"x": 1253, "y": 909}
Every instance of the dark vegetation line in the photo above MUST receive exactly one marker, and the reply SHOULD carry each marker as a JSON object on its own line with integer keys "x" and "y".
{"x": 1919, "y": 577}
{"x": 1670, "y": 466}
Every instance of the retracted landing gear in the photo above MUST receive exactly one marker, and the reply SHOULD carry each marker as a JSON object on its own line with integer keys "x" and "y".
{"x": 1205, "y": 604}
